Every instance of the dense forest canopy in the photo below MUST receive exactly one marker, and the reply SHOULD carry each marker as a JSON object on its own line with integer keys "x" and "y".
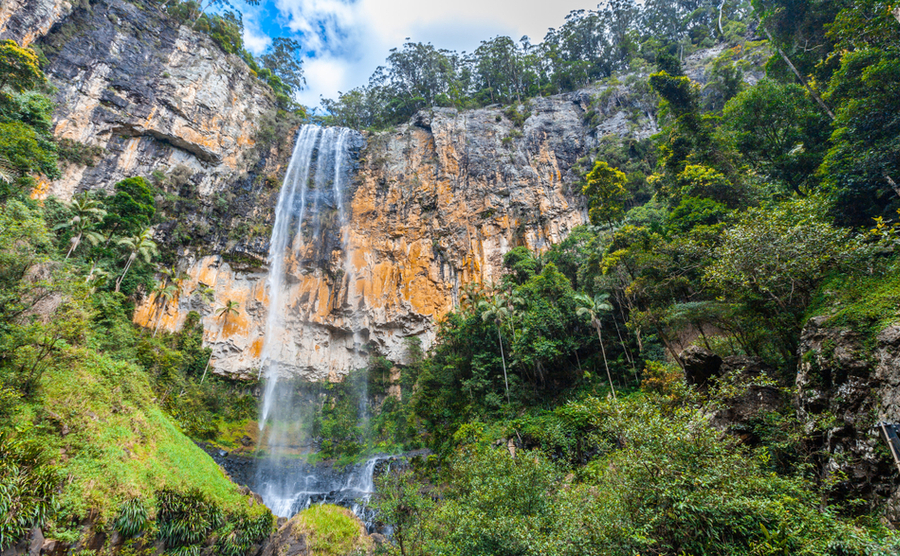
{"x": 619, "y": 35}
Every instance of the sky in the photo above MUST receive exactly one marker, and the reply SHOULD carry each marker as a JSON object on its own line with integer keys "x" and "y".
{"x": 345, "y": 40}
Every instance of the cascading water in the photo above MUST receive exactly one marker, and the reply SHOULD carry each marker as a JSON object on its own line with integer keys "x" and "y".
{"x": 306, "y": 210}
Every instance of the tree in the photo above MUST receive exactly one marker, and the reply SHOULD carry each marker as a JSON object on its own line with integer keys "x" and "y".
{"x": 283, "y": 60}
{"x": 87, "y": 213}
{"x": 20, "y": 69}
{"x": 224, "y": 312}
{"x": 401, "y": 504}
{"x": 861, "y": 169}
{"x": 778, "y": 130}
{"x": 772, "y": 260}
{"x": 496, "y": 309}
{"x": 129, "y": 211}
{"x": 606, "y": 193}
{"x": 164, "y": 292}
{"x": 140, "y": 245}
{"x": 206, "y": 293}
{"x": 25, "y": 151}
{"x": 593, "y": 308}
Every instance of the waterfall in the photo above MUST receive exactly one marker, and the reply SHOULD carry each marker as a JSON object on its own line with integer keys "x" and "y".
{"x": 311, "y": 204}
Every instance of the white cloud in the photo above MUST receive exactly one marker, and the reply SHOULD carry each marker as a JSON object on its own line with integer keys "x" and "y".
{"x": 255, "y": 41}
{"x": 328, "y": 73}
{"x": 346, "y": 40}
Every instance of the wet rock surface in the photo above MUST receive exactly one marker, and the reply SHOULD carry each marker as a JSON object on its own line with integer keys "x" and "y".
{"x": 289, "y": 486}
{"x": 844, "y": 389}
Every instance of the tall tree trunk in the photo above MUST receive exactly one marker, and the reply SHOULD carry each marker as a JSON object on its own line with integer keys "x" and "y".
{"x": 159, "y": 318}
{"x": 605, "y": 364}
{"x": 125, "y": 271}
{"x": 503, "y": 358}
{"x": 722, "y": 5}
{"x": 75, "y": 241}
{"x": 208, "y": 361}
{"x": 787, "y": 61}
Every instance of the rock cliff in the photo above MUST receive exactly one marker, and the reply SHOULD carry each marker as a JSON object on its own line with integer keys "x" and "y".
{"x": 434, "y": 205}
{"x": 148, "y": 95}
{"x": 845, "y": 387}
{"x": 26, "y": 20}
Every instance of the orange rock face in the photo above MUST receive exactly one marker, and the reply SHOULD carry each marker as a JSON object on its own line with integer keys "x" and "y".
{"x": 434, "y": 205}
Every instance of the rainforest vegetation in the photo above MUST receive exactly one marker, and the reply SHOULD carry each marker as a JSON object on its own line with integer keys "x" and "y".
{"x": 555, "y": 403}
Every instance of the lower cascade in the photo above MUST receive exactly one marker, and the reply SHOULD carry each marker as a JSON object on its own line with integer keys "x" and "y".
{"x": 311, "y": 225}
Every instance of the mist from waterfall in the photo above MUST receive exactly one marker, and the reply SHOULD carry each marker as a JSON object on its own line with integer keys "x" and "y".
{"x": 311, "y": 202}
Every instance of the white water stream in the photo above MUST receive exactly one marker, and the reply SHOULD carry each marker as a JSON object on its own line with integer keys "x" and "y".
{"x": 313, "y": 193}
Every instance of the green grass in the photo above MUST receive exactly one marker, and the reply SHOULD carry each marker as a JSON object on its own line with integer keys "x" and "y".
{"x": 118, "y": 443}
{"x": 866, "y": 303}
{"x": 331, "y": 531}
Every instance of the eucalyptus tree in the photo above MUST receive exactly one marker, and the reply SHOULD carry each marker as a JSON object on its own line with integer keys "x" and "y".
{"x": 224, "y": 312}
{"x": 86, "y": 213}
{"x": 284, "y": 60}
{"x": 593, "y": 307}
{"x": 498, "y": 70}
{"x": 140, "y": 245}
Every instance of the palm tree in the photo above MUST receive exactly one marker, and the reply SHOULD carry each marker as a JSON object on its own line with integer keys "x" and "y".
{"x": 165, "y": 291}
{"x": 230, "y": 308}
{"x": 8, "y": 172}
{"x": 86, "y": 213}
{"x": 97, "y": 277}
{"x": 473, "y": 293}
{"x": 206, "y": 293}
{"x": 174, "y": 276}
{"x": 594, "y": 307}
{"x": 497, "y": 310}
{"x": 139, "y": 245}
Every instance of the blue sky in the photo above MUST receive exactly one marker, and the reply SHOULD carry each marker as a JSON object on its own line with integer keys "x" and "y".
{"x": 345, "y": 40}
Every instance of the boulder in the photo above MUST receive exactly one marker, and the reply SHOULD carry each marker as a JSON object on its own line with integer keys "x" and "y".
{"x": 700, "y": 365}
{"x": 323, "y": 530}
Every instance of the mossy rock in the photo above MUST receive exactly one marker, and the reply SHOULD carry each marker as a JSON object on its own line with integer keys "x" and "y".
{"x": 321, "y": 530}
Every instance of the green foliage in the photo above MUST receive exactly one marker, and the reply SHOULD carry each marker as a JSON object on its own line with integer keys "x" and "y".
{"x": 402, "y": 505}
{"x": 130, "y": 209}
{"x": 865, "y": 301}
{"x": 660, "y": 481}
{"x": 331, "y": 531}
{"x": 78, "y": 153}
{"x": 28, "y": 485}
{"x": 861, "y": 169}
{"x": 283, "y": 61}
{"x": 133, "y": 518}
{"x": 693, "y": 211}
{"x": 19, "y": 67}
{"x": 606, "y": 193}
{"x": 772, "y": 260}
{"x": 185, "y": 519}
{"x": 25, "y": 151}
{"x": 590, "y": 45}
{"x": 779, "y": 130}
{"x": 32, "y": 108}
{"x": 241, "y": 532}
